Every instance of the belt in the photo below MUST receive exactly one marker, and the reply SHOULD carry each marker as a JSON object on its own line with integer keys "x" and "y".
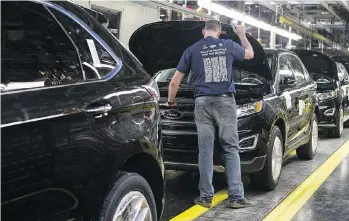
{"x": 217, "y": 95}
{"x": 222, "y": 95}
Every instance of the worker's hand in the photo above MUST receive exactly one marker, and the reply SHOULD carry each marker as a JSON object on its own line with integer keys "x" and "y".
{"x": 171, "y": 105}
{"x": 239, "y": 29}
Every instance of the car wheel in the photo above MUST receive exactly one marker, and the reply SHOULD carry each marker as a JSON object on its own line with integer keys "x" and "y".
{"x": 308, "y": 151}
{"x": 130, "y": 198}
{"x": 337, "y": 132}
{"x": 268, "y": 178}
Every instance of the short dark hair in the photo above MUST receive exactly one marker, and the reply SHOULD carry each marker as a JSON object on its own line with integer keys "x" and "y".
{"x": 213, "y": 25}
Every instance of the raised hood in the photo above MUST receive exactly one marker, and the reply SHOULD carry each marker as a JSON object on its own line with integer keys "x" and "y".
{"x": 342, "y": 59}
{"x": 160, "y": 46}
{"x": 318, "y": 63}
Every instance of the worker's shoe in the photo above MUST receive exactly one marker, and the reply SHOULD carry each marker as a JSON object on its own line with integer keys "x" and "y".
{"x": 203, "y": 202}
{"x": 239, "y": 203}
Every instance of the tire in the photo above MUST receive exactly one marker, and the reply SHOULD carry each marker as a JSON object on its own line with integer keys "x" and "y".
{"x": 264, "y": 179}
{"x": 308, "y": 151}
{"x": 337, "y": 132}
{"x": 128, "y": 186}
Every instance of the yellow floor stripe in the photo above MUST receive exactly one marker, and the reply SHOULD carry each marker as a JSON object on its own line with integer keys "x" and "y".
{"x": 293, "y": 203}
{"x": 196, "y": 211}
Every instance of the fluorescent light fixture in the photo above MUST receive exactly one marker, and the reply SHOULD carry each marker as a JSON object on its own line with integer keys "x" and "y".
{"x": 273, "y": 3}
{"x": 247, "y": 19}
{"x": 293, "y": 2}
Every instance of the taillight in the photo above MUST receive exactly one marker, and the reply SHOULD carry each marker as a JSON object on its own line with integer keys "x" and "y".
{"x": 153, "y": 90}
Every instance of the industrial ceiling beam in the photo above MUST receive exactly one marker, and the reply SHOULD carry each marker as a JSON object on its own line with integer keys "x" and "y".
{"x": 345, "y": 4}
{"x": 300, "y": 12}
{"x": 330, "y": 10}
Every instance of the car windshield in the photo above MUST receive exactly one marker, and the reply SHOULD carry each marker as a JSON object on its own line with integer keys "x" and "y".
{"x": 241, "y": 77}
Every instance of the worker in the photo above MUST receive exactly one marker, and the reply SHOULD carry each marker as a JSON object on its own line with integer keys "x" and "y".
{"x": 211, "y": 61}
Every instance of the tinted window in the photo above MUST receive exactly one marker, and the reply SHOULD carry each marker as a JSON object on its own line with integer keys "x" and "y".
{"x": 96, "y": 61}
{"x": 284, "y": 69}
{"x": 132, "y": 70}
{"x": 36, "y": 52}
{"x": 93, "y": 24}
{"x": 297, "y": 68}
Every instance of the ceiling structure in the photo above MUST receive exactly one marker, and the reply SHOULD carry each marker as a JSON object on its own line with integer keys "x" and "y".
{"x": 329, "y": 18}
{"x": 323, "y": 23}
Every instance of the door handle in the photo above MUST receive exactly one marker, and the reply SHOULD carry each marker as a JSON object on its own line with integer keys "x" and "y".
{"x": 99, "y": 110}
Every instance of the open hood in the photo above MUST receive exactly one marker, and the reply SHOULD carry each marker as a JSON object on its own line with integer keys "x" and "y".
{"x": 342, "y": 59}
{"x": 318, "y": 63}
{"x": 160, "y": 46}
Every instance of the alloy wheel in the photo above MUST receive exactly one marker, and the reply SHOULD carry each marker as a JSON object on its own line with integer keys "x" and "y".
{"x": 133, "y": 206}
{"x": 276, "y": 162}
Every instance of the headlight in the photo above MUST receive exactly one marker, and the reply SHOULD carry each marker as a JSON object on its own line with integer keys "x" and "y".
{"x": 250, "y": 108}
{"x": 327, "y": 95}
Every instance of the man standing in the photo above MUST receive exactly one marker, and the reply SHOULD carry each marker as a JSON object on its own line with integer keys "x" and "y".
{"x": 211, "y": 61}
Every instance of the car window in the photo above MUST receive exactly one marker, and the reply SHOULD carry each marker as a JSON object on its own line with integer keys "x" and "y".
{"x": 35, "y": 50}
{"x": 96, "y": 61}
{"x": 284, "y": 69}
{"x": 297, "y": 68}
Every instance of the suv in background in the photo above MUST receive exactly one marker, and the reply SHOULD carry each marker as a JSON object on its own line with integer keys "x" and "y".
{"x": 277, "y": 106}
{"x": 80, "y": 120}
{"x": 332, "y": 86}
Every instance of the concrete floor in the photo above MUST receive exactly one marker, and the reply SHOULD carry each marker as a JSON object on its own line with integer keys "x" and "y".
{"x": 331, "y": 201}
{"x": 181, "y": 189}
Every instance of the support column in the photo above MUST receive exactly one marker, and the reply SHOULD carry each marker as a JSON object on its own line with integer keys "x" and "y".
{"x": 289, "y": 44}
{"x": 272, "y": 40}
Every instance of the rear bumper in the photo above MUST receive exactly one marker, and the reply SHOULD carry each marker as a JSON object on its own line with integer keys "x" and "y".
{"x": 247, "y": 166}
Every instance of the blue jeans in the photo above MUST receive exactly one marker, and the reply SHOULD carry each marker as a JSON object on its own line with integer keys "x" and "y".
{"x": 219, "y": 112}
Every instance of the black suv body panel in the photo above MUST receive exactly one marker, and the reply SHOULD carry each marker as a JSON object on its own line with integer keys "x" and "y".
{"x": 325, "y": 72}
{"x": 62, "y": 145}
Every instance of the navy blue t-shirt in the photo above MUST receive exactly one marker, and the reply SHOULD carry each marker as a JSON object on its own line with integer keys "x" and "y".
{"x": 211, "y": 61}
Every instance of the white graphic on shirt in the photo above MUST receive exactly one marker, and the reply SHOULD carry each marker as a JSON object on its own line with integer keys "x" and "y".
{"x": 220, "y": 45}
{"x": 223, "y": 68}
{"x": 205, "y": 47}
{"x": 215, "y": 64}
{"x": 208, "y": 69}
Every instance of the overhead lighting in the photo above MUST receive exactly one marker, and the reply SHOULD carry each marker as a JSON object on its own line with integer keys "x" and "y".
{"x": 247, "y": 19}
{"x": 293, "y": 2}
{"x": 273, "y": 3}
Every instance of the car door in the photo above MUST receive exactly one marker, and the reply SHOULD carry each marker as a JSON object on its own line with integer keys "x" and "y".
{"x": 305, "y": 94}
{"x": 64, "y": 104}
{"x": 289, "y": 93}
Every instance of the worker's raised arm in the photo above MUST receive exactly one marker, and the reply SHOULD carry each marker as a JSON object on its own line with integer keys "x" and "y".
{"x": 240, "y": 31}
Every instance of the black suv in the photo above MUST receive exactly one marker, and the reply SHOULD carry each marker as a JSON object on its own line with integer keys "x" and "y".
{"x": 79, "y": 120}
{"x": 332, "y": 86}
{"x": 270, "y": 89}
